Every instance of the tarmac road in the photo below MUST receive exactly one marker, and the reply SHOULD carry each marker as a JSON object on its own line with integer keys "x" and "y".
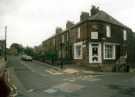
{"x": 35, "y": 79}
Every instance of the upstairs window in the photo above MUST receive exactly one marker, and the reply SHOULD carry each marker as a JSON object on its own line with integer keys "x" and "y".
{"x": 124, "y": 35}
{"x": 94, "y": 35}
{"x": 108, "y": 31}
{"x": 78, "y": 32}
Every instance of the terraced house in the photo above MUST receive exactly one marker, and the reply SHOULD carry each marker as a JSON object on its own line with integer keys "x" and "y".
{"x": 97, "y": 38}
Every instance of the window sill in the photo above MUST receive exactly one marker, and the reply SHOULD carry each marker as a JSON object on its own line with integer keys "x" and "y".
{"x": 109, "y": 58}
{"x": 78, "y": 58}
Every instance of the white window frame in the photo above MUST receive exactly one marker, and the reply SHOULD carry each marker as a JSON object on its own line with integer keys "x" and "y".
{"x": 124, "y": 34}
{"x": 108, "y": 31}
{"x": 94, "y": 35}
{"x": 78, "y": 33}
{"x": 81, "y": 51}
{"x": 113, "y": 53}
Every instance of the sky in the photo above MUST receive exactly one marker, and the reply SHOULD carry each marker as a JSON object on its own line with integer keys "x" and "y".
{"x": 30, "y": 22}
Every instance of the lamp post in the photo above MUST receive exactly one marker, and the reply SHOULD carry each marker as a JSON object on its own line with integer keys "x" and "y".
{"x": 5, "y": 50}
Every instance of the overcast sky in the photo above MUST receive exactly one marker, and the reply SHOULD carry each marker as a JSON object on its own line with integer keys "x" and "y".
{"x": 32, "y": 21}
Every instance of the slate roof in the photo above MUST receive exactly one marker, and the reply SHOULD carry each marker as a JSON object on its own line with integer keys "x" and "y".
{"x": 103, "y": 16}
{"x": 100, "y": 16}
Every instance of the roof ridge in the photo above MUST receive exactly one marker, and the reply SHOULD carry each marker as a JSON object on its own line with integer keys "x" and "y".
{"x": 104, "y": 16}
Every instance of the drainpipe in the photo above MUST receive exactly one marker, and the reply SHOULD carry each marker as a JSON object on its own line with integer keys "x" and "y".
{"x": 61, "y": 62}
{"x": 5, "y": 52}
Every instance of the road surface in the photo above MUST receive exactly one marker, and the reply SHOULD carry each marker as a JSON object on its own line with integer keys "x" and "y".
{"x": 35, "y": 79}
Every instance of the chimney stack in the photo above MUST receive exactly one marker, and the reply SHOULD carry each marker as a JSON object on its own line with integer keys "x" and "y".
{"x": 69, "y": 24}
{"x": 58, "y": 30}
{"x": 94, "y": 10}
{"x": 84, "y": 16}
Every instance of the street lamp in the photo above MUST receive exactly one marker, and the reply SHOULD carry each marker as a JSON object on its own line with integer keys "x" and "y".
{"x": 5, "y": 47}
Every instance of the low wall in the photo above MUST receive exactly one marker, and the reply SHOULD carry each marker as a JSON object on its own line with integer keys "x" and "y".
{"x": 4, "y": 87}
{"x": 2, "y": 67}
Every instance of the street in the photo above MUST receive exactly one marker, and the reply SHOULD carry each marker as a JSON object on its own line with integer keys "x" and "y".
{"x": 35, "y": 79}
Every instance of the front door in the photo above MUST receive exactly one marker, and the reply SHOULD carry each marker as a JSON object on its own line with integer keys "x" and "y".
{"x": 95, "y": 53}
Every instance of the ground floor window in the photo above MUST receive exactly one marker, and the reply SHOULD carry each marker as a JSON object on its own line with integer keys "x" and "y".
{"x": 109, "y": 51}
{"x": 78, "y": 50}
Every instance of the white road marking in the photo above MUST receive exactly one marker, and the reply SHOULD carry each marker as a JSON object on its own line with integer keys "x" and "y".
{"x": 30, "y": 90}
{"x": 50, "y": 91}
{"x": 53, "y": 72}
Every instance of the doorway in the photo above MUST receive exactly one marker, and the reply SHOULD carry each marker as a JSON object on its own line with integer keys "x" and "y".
{"x": 95, "y": 53}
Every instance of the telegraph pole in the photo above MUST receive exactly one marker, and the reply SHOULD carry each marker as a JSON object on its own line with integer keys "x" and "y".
{"x": 5, "y": 53}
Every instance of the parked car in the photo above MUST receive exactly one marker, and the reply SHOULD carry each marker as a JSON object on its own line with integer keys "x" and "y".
{"x": 26, "y": 58}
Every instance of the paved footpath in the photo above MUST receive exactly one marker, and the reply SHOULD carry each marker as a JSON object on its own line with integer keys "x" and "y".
{"x": 35, "y": 79}
{"x": 4, "y": 79}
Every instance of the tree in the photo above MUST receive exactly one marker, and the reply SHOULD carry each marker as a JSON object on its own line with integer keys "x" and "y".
{"x": 28, "y": 51}
{"x": 16, "y": 48}
{"x": 12, "y": 51}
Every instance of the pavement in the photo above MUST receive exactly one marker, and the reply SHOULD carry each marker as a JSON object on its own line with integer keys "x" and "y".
{"x": 36, "y": 79}
{"x": 72, "y": 69}
{"x": 5, "y": 86}
{"x": 2, "y": 66}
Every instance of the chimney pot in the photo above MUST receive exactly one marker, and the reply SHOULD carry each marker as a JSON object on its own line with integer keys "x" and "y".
{"x": 69, "y": 24}
{"x": 58, "y": 30}
{"x": 94, "y": 10}
{"x": 84, "y": 16}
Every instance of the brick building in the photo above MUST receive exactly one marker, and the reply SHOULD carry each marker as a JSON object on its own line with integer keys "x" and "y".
{"x": 97, "y": 38}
